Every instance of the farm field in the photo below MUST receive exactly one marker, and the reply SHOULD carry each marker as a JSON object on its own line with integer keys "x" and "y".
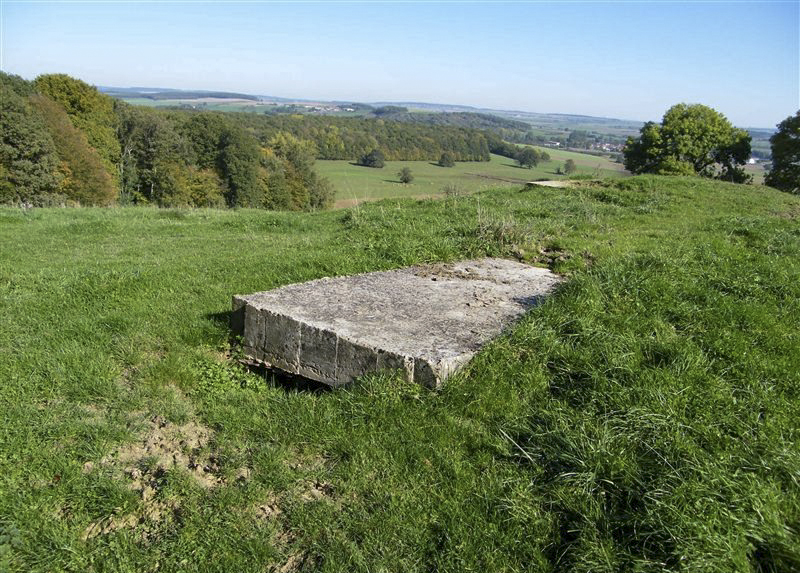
{"x": 644, "y": 418}
{"x": 355, "y": 183}
{"x": 208, "y": 104}
{"x": 757, "y": 171}
{"x": 226, "y": 105}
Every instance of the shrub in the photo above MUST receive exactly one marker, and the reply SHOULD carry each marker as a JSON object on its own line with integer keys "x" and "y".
{"x": 373, "y": 159}
{"x": 405, "y": 175}
{"x": 447, "y": 160}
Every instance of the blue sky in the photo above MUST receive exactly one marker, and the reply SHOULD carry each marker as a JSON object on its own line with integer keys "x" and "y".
{"x": 622, "y": 59}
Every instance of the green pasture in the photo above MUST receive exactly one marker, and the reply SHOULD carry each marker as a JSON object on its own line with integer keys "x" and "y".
{"x": 757, "y": 171}
{"x": 643, "y": 419}
{"x": 355, "y": 183}
{"x": 228, "y": 106}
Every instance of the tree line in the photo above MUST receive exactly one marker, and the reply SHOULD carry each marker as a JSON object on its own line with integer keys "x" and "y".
{"x": 62, "y": 142}
{"x": 353, "y": 137}
{"x": 526, "y": 156}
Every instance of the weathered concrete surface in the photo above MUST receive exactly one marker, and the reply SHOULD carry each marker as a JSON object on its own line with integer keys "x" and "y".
{"x": 426, "y": 320}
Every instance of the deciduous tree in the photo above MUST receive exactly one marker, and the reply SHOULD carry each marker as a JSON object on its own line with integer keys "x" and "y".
{"x": 446, "y": 160}
{"x": 528, "y": 157}
{"x": 85, "y": 178}
{"x": 405, "y": 175}
{"x": 691, "y": 139}
{"x": 785, "y": 172}
{"x": 373, "y": 159}
{"x": 89, "y": 110}
{"x": 28, "y": 158}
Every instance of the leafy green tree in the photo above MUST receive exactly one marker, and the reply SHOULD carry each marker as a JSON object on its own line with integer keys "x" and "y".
{"x": 85, "y": 179}
{"x": 528, "y": 157}
{"x": 273, "y": 173}
{"x": 570, "y": 167}
{"x": 153, "y": 152}
{"x": 296, "y": 186}
{"x": 89, "y": 110}
{"x": 221, "y": 143}
{"x": 15, "y": 84}
{"x": 205, "y": 188}
{"x": 300, "y": 153}
{"x": 321, "y": 194}
{"x": 329, "y": 142}
{"x": 374, "y": 158}
{"x": 446, "y": 160}
{"x": 405, "y": 175}
{"x": 785, "y": 172}
{"x": 204, "y": 132}
{"x": 28, "y": 158}
{"x": 691, "y": 139}
{"x": 239, "y": 160}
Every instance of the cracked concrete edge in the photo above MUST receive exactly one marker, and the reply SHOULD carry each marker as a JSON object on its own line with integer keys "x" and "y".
{"x": 299, "y": 348}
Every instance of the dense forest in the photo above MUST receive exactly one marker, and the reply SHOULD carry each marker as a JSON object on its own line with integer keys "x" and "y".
{"x": 455, "y": 118}
{"x": 353, "y": 137}
{"x": 65, "y": 143}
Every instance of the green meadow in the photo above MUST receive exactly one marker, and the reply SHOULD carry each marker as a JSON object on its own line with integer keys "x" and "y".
{"x": 233, "y": 105}
{"x": 354, "y": 183}
{"x": 757, "y": 171}
{"x": 644, "y": 418}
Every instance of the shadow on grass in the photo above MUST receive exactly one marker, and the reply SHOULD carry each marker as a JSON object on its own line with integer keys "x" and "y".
{"x": 356, "y": 164}
{"x": 289, "y": 383}
{"x": 223, "y": 320}
{"x": 274, "y": 376}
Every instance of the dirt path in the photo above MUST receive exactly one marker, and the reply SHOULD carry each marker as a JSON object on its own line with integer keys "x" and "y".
{"x": 560, "y": 183}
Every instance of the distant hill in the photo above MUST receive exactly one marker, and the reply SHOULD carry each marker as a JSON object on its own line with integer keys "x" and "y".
{"x": 540, "y": 127}
{"x": 169, "y": 94}
{"x": 519, "y": 118}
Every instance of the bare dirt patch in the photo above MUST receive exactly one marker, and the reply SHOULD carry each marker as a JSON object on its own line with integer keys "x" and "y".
{"x": 551, "y": 183}
{"x": 294, "y": 563}
{"x": 165, "y": 446}
{"x": 146, "y": 519}
{"x": 269, "y": 508}
{"x": 315, "y": 490}
{"x": 792, "y": 213}
{"x": 305, "y": 461}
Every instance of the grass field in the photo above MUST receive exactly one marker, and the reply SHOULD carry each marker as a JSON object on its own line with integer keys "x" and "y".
{"x": 757, "y": 171}
{"x": 208, "y": 104}
{"x": 645, "y": 418}
{"x": 354, "y": 183}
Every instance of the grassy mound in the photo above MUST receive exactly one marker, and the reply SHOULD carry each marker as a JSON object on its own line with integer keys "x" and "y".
{"x": 645, "y": 418}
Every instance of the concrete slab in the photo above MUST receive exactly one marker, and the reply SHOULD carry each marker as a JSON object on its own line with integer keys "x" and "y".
{"x": 426, "y": 320}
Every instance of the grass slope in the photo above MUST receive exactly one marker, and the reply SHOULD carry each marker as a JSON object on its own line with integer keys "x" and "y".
{"x": 354, "y": 183}
{"x": 643, "y": 419}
